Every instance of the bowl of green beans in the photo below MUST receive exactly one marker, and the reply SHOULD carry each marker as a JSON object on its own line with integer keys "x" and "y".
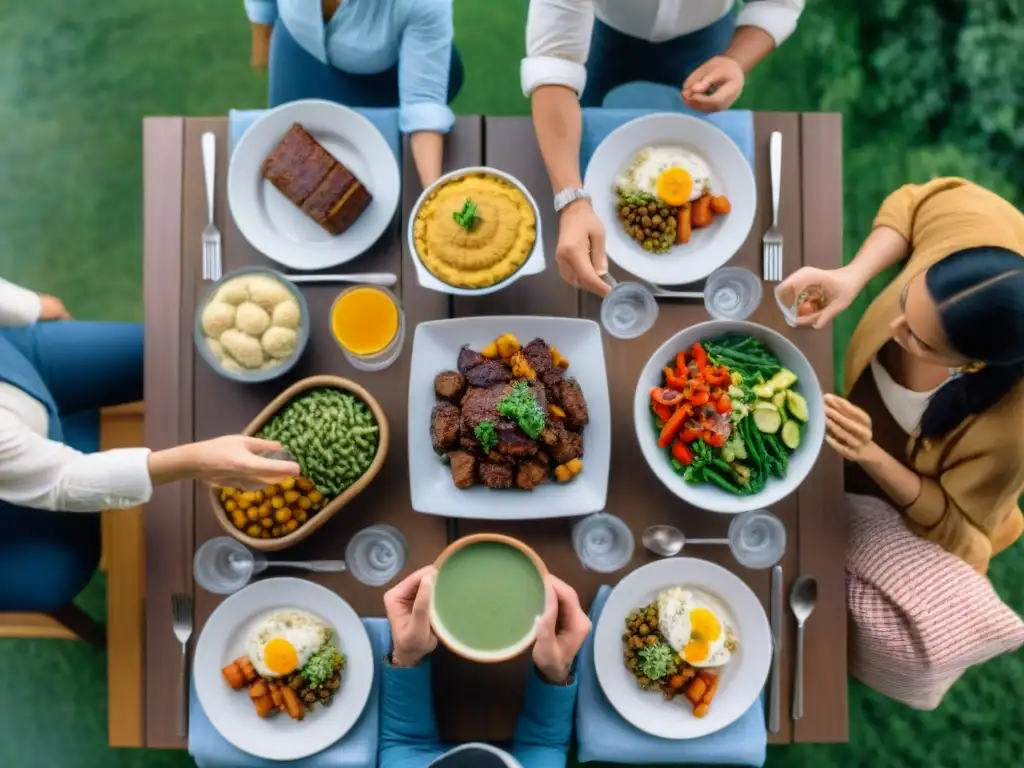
{"x": 338, "y": 434}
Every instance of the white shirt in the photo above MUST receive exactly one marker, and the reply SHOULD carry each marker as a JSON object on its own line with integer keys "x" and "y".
{"x": 558, "y": 31}
{"x": 44, "y": 474}
{"x": 905, "y": 405}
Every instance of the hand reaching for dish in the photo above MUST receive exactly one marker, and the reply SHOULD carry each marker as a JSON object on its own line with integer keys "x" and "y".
{"x": 581, "y": 256}
{"x": 828, "y": 292}
{"x": 714, "y": 85}
{"x": 408, "y": 611}
{"x": 847, "y": 428}
{"x": 224, "y": 461}
{"x": 560, "y": 632}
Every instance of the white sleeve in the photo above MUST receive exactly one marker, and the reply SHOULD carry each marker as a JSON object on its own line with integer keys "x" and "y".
{"x": 776, "y": 17}
{"x": 44, "y": 474}
{"x": 18, "y": 306}
{"x": 557, "y": 43}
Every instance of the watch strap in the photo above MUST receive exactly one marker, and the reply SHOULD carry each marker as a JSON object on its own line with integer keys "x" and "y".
{"x": 569, "y": 195}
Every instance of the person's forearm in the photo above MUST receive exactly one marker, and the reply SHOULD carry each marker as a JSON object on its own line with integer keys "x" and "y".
{"x": 900, "y": 483}
{"x": 882, "y": 249}
{"x": 171, "y": 464}
{"x": 428, "y": 154}
{"x": 260, "y": 54}
{"x": 748, "y": 46}
{"x": 558, "y": 122}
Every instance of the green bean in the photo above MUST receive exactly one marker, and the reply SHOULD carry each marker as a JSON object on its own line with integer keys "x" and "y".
{"x": 716, "y": 479}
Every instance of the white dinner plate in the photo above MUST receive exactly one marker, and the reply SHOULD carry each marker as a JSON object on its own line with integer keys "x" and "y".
{"x": 436, "y": 348}
{"x": 273, "y": 224}
{"x": 731, "y": 175}
{"x": 741, "y": 679}
{"x": 232, "y": 713}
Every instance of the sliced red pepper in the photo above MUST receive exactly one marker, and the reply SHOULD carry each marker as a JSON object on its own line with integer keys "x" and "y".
{"x": 714, "y": 439}
{"x": 681, "y": 364}
{"x": 699, "y": 356}
{"x": 672, "y": 426}
{"x": 716, "y": 376}
{"x": 700, "y": 396}
{"x": 682, "y": 453}
{"x": 665, "y": 396}
{"x": 724, "y": 404}
{"x": 689, "y": 434}
{"x": 663, "y": 411}
{"x": 676, "y": 382}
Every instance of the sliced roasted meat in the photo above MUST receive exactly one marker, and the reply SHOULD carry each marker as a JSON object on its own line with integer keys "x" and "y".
{"x": 488, "y": 372}
{"x": 463, "y": 466}
{"x": 538, "y": 353}
{"x": 512, "y": 441}
{"x": 468, "y": 358}
{"x": 570, "y": 397}
{"x": 495, "y": 475}
{"x": 481, "y": 404}
{"x": 531, "y": 474}
{"x": 563, "y": 444}
{"x": 444, "y": 427}
{"x": 450, "y": 385}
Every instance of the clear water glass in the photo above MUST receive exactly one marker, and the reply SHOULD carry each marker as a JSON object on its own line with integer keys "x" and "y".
{"x": 256, "y": 484}
{"x": 732, "y": 293}
{"x": 377, "y": 361}
{"x": 757, "y": 539}
{"x": 630, "y": 310}
{"x": 223, "y": 565}
{"x": 376, "y": 555}
{"x": 603, "y": 542}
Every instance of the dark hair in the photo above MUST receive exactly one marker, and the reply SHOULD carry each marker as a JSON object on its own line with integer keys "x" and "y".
{"x": 979, "y": 293}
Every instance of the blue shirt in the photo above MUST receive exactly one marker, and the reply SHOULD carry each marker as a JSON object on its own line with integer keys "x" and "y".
{"x": 369, "y": 36}
{"x": 408, "y": 727}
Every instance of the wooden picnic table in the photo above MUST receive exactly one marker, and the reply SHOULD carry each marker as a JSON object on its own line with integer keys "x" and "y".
{"x": 187, "y": 401}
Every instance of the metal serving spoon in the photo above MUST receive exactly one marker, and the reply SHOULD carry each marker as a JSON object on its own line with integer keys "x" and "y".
{"x": 260, "y": 564}
{"x": 802, "y": 597}
{"x": 668, "y": 541}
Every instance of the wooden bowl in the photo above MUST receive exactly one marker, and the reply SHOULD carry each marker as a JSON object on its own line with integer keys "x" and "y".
{"x": 325, "y": 514}
{"x": 485, "y": 657}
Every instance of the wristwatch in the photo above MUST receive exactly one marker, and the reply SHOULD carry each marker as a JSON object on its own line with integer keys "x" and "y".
{"x": 569, "y": 195}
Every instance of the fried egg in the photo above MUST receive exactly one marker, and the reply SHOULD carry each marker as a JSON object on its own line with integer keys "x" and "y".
{"x": 695, "y": 625}
{"x": 662, "y": 170}
{"x": 284, "y": 641}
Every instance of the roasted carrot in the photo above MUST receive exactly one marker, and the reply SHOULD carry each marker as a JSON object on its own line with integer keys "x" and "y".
{"x": 695, "y": 691}
{"x": 701, "y": 216}
{"x": 233, "y": 676}
{"x": 292, "y": 704}
{"x": 720, "y": 204}
{"x": 258, "y": 690}
{"x": 683, "y": 224}
{"x": 247, "y": 669}
{"x": 709, "y": 694}
{"x": 264, "y": 706}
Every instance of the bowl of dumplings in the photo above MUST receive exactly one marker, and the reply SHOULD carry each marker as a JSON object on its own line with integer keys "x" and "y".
{"x": 252, "y": 326}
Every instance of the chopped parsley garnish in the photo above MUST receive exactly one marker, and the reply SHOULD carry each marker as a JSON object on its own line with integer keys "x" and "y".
{"x": 655, "y": 660}
{"x": 467, "y": 217}
{"x": 487, "y": 436}
{"x": 322, "y": 665}
{"x": 522, "y": 406}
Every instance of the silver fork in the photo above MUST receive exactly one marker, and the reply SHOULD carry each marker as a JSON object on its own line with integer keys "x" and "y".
{"x": 772, "y": 241}
{"x": 211, "y": 235}
{"x": 181, "y": 611}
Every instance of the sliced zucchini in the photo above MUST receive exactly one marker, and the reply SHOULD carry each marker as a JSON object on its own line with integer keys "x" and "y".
{"x": 797, "y": 405}
{"x": 728, "y": 453}
{"x": 784, "y": 379}
{"x": 737, "y": 378}
{"x": 764, "y": 391}
{"x": 779, "y": 400}
{"x": 767, "y": 418}
{"x": 735, "y": 392}
{"x": 791, "y": 435}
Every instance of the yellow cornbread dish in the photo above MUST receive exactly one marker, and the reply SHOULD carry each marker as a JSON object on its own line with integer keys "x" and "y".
{"x": 493, "y": 248}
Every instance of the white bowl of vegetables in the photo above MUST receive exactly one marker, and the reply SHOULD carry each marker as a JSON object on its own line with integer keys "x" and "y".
{"x": 729, "y": 416}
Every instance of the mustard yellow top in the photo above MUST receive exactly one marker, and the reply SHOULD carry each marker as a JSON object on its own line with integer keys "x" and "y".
{"x": 972, "y": 477}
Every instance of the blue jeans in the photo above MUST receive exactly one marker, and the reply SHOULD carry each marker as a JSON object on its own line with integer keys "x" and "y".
{"x": 46, "y": 558}
{"x": 296, "y": 74}
{"x": 616, "y": 58}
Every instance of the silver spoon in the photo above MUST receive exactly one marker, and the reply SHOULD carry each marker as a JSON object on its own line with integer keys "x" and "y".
{"x": 386, "y": 279}
{"x": 260, "y": 564}
{"x": 802, "y": 597}
{"x": 668, "y": 541}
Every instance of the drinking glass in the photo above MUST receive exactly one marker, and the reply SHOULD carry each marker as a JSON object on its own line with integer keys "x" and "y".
{"x": 375, "y": 361}
{"x": 757, "y": 539}
{"x": 630, "y": 310}
{"x": 602, "y": 542}
{"x": 223, "y": 565}
{"x": 732, "y": 293}
{"x": 377, "y": 554}
{"x": 244, "y": 484}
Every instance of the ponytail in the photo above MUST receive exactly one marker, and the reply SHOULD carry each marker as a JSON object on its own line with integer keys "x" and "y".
{"x": 968, "y": 394}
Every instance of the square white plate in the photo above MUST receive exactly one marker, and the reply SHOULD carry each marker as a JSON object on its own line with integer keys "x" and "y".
{"x": 436, "y": 348}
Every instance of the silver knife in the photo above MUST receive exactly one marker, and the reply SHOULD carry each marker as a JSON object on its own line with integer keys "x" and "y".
{"x": 774, "y": 705}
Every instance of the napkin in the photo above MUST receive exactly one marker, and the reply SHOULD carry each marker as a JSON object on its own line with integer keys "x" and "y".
{"x": 598, "y": 122}
{"x": 385, "y": 119}
{"x": 604, "y": 736}
{"x": 356, "y": 749}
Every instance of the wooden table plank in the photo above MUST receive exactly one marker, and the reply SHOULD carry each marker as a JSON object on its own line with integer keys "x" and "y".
{"x": 167, "y": 524}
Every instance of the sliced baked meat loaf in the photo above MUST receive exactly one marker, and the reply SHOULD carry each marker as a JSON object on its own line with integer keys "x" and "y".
{"x": 496, "y": 475}
{"x": 570, "y": 398}
{"x": 450, "y": 385}
{"x": 444, "y": 427}
{"x": 531, "y": 474}
{"x": 512, "y": 441}
{"x": 297, "y": 165}
{"x": 481, "y": 404}
{"x": 337, "y": 201}
{"x": 463, "y": 466}
{"x": 562, "y": 444}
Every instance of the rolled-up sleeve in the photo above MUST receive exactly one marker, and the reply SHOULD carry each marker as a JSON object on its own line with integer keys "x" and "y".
{"x": 424, "y": 67}
{"x": 776, "y": 17}
{"x": 261, "y": 11}
{"x": 558, "y": 36}
{"x": 18, "y": 306}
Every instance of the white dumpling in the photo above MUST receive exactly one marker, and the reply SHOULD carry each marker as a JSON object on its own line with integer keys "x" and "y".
{"x": 217, "y": 318}
{"x": 215, "y": 348}
{"x": 244, "y": 349}
{"x": 286, "y": 315}
{"x": 230, "y": 365}
{"x": 234, "y": 291}
{"x": 279, "y": 342}
{"x": 251, "y": 318}
{"x": 267, "y": 292}
{"x": 271, "y": 363}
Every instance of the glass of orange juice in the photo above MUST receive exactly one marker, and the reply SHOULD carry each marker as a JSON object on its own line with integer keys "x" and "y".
{"x": 369, "y": 326}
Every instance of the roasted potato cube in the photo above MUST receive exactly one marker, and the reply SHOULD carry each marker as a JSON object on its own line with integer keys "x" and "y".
{"x": 287, "y": 484}
{"x": 304, "y": 484}
{"x": 254, "y": 530}
{"x": 290, "y": 496}
{"x": 283, "y": 515}
{"x": 508, "y": 345}
{"x": 490, "y": 351}
{"x": 239, "y": 519}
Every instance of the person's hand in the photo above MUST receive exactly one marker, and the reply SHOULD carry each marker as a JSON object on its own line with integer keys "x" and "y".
{"x": 847, "y": 428}
{"x": 222, "y": 461}
{"x": 561, "y": 631}
{"x": 580, "y": 254}
{"x": 52, "y": 308}
{"x": 830, "y": 290}
{"x": 408, "y": 611}
{"x": 714, "y": 85}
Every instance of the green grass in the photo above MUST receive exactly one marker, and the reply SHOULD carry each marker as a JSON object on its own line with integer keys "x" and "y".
{"x": 76, "y": 80}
